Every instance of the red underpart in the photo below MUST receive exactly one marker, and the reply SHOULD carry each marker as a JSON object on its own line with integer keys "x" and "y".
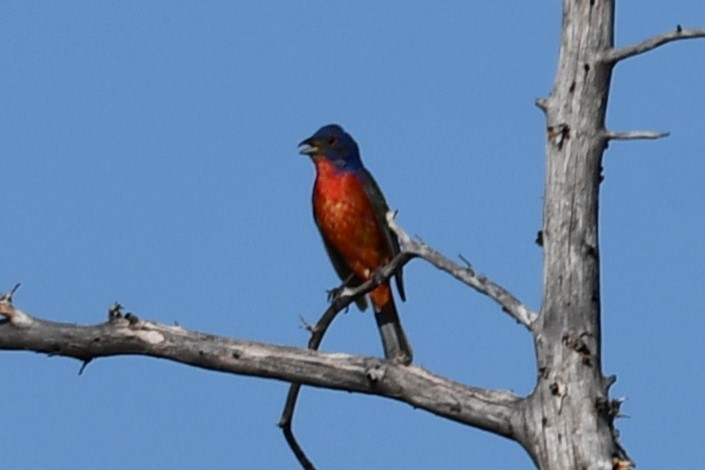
{"x": 346, "y": 218}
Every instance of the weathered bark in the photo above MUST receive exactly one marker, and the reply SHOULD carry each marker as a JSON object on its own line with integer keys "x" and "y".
{"x": 492, "y": 410}
{"x": 568, "y": 423}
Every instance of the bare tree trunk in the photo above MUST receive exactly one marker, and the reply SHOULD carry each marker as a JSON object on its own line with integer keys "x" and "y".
{"x": 569, "y": 416}
{"x": 569, "y": 422}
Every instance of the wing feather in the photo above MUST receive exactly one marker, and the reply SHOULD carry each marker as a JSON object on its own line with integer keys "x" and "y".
{"x": 381, "y": 208}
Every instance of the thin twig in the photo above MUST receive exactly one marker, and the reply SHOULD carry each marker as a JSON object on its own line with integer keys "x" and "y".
{"x": 542, "y": 104}
{"x": 343, "y": 298}
{"x": 285, "y": 422}
{"x": 613, "y": 56}
{"x": 13, "y": 315}
{"x": 7, "y": 296}
{"x": 636, "y": 135}
{"x": 509, "y": 303}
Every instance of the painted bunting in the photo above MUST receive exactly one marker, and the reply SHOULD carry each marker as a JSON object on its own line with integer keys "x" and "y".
{"x": 350, "y": 212}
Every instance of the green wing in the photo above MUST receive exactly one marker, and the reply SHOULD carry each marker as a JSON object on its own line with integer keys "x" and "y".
{"x": 381, "y": 208}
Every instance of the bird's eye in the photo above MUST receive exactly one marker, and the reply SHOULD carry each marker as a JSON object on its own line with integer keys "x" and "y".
{"x": 332, "y": 141}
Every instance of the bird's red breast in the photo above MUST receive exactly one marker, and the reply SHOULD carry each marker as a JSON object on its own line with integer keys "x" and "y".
{"x": 347, "y": 220}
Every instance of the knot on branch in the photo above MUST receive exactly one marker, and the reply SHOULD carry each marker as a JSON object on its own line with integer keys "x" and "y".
{"x": 16, "y": 317}
{"x": 556, "y": 389}
{"x": 115, "y": 314}
{"x": 6, "y": 297}
{"x": 609, "y": 409}
{"x": 376, "y": 372}
{"x": 579, "y": 344}
{"x": 7, "y": 310}
{"x": 559, "y": 134}
{"x": 619, "y": 463}
{"x": 539, "y": 238}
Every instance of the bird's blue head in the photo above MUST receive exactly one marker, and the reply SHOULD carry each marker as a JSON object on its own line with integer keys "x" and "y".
{"x": 334, "y": 144}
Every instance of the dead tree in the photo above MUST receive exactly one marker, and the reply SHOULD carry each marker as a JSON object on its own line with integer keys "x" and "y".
{"x": 568, "y": 421}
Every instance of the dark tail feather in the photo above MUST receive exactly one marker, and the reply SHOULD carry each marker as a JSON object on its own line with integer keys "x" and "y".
{"x": 396, "y": 345}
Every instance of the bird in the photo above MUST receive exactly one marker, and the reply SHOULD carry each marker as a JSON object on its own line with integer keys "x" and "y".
{"x": 349, "y": 210}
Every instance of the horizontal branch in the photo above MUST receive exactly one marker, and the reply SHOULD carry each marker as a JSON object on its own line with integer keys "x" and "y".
{"x": 615, "y": 55}
{"x": 636, "y": 135}
{"x": 465, "y": 274}
{"x": 493, "y": 411}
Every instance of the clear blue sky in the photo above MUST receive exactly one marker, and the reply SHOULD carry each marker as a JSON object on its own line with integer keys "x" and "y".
{"x": 148, "y": 155}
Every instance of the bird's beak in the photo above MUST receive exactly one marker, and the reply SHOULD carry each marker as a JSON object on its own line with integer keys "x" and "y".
{"x": 308, "y": 147}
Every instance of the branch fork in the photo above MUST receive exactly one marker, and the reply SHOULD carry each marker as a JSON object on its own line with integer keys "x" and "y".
{"x": 14, "y": 316}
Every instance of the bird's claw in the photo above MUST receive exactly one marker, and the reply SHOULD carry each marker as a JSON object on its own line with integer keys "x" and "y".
{"x": 334, "y": 293}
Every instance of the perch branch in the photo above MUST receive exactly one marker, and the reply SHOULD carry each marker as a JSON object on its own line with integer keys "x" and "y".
{"x": 613, "y": 56}
{"x": 465, "y": 274}
{"x": 492, "y": 410}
